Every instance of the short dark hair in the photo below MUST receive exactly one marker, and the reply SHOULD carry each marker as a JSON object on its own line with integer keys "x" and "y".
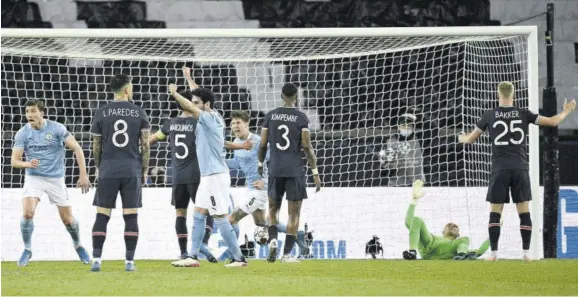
{"x": 289, "y": 90}
{"x": 206, "y": 95}
{"x": 118, "y": 82}
{"x": 35, "y": 102}
{"x": 186, "y": 94}
{"x": 239, "y": 114}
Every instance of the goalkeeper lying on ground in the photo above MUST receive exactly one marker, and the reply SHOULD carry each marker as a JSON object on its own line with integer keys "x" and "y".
{"x": 448, "y": 246}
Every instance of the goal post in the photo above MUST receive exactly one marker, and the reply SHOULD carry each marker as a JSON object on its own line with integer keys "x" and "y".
{"x": 355, "y": 85}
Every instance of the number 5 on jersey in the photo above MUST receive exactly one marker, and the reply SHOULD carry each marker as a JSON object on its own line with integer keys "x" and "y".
{"x": 179, "y": 143}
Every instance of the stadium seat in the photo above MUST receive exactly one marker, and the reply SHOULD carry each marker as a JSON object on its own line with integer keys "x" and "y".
{"x": 126, "y": 24}
{"x": 182, "y": 10}
{"x": 120, "y": 11}
{"x": 69, "y": 24}
{"x": 62, "y": 11}
{"x": 248, "y": 24}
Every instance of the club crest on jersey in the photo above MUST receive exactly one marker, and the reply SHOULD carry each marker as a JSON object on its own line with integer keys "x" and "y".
{"x": 49, "y": 136}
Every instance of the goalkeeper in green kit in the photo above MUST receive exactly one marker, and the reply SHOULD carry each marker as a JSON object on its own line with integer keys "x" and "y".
{"x": 448, "y": 246}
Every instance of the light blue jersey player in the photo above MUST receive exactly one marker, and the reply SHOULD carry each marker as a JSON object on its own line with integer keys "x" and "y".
{"x": 246, "y": 147}
{"x": 42, "y": 142}
{"x": 213, "y": 195}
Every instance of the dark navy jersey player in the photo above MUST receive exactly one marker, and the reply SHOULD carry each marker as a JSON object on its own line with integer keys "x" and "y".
{"x": 181, "y": 134}
{"x": 121, "y": 153}
{"x": 508, "y": 129}
{"x": 286, "y": 132}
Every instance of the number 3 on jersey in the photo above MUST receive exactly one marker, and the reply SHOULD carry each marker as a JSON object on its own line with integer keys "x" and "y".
{"x": 284, "y": 135}
{"x": 120, "y": 131}
{"x": 507, "y": 130}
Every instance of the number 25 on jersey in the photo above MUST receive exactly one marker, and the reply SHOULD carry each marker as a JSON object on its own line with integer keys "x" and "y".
{"x": 512, "y": 131}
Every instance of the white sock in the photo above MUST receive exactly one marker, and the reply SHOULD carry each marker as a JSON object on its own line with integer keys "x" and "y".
{"x": 527, "y": 253}
{"x": 127, "y": 262}
{"x": 495, "y": 254}
{"x": 99, "y": 260}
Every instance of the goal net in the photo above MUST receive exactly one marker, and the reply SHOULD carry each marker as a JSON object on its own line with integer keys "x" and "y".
{"x": 356, "y": 86}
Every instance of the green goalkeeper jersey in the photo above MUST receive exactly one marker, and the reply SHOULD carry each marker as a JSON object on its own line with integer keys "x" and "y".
{"x": 441, "y": 248}
{"x": 432, "y": 247}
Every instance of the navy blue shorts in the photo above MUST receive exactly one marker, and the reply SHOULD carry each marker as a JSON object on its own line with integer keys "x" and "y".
{"x": 294, "y": 187}
{"x": 510, "y": 181}
{"x": 183, "y": 193}
{"x": 130, "y": 189}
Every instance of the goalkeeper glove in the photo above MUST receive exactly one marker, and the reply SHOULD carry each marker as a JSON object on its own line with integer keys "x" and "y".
{"x": 461, "y": 256}
{"x": 417, "y": 191}
{"x": 472, "y": 256}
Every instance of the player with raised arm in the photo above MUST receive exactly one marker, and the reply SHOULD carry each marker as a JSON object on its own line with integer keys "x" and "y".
{"x": 286, "y": 131}
{"x": 246, "y": 147}
{"x": 508, "y": 126}
{"x": 431, "y": 247}
{"x": 186, "y": 175}
{"x": 121, "y": 152}
{"x": 213, "y": 196}
{"x": 42, "y": 141}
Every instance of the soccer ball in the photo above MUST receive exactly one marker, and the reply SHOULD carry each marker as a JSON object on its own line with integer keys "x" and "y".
{"x": 261, "y": 235}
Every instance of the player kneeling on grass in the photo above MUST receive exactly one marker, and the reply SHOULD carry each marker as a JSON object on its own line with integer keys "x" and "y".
{"x": 246, "y": 147}
{"x": 43, "y": 143}
{"x": 431, "y": 247}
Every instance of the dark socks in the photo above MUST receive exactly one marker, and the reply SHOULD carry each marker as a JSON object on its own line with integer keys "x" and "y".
{"x": 182, "y": 233}
{"x": 289, "y": 243}
{"x": 272, "y": 232}
{"x": 526, "y": 230}
{"x": 494, "y": 229}
{"x": 130, "y": 234}
{"x": 99, "y": 234}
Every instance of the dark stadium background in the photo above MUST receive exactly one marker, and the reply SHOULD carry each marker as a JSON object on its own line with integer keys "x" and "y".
{"x": 345, "y": 162}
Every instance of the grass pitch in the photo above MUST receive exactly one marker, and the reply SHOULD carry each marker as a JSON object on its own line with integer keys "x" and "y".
{"x": 347, "y": 277}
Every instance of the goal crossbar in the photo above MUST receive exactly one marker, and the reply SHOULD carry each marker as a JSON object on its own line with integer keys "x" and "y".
{"x": 269, "y": 33}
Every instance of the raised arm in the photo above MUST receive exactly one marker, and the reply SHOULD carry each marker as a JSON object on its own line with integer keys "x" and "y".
{"x": 187, "y": 73}
{"x": 559, "y": 118}
{"x": 73, "y": 145}
{"x": 417, "y": 193}
{"x": 185, "y": 103}
{"x": 311, "y": 159}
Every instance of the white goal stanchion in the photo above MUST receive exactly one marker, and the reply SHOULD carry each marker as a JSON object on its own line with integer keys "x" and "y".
{"x": 356, "y": 85}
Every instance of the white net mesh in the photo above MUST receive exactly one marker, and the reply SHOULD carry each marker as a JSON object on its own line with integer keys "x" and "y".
{"x": 355, "y": 91}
